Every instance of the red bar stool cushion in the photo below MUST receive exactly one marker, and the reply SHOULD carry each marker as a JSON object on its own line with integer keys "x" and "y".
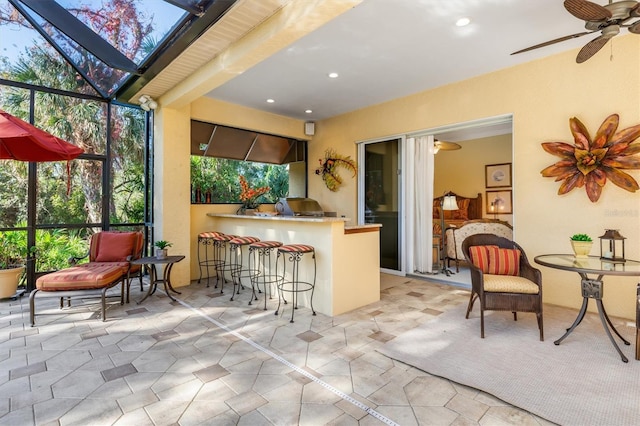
{"x": 265, "y": 244}
{"x": 296, "y": 248}
{"x": 243, "y": 241}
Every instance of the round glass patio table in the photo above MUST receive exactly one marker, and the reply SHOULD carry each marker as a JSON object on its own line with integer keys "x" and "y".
{"x": 592, "y": 288}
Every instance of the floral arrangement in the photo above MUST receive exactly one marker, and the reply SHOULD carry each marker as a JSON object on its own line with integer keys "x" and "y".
{"x": 249, "y": 196}
{"x": 590, "y": 162}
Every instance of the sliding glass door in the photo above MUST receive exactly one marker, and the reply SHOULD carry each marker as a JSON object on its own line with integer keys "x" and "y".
{"x": 379, "y": 198}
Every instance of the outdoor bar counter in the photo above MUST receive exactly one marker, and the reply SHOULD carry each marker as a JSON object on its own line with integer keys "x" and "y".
{"x": 348, "y": 259}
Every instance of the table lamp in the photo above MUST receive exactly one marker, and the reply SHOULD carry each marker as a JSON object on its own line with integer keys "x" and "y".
{"x": 448, "y": 203}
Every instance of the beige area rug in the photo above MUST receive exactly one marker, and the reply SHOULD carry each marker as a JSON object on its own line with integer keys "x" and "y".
{"x": 582, "y": 381}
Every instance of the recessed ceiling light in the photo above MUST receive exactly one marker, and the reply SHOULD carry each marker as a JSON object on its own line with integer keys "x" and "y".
{"x": 463, "y": 22}
{"x": 308, "y": 111}
{"x": 333, "y": 75}
{"x": 270, "y": 101}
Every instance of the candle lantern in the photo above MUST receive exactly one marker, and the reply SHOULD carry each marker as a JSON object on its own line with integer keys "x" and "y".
{"x": 612, "y": 246}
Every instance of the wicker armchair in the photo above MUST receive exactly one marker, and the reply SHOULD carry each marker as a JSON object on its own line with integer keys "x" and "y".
{"x": 515, "y": 293}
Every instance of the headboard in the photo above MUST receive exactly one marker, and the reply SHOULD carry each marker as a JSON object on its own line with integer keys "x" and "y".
{"x": 458, "y": 217}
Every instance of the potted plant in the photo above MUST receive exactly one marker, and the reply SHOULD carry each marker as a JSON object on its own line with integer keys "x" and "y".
{"x": 13, "y": 254}
{"x": 161, "y": 248}
{"x": 581, "y": 244}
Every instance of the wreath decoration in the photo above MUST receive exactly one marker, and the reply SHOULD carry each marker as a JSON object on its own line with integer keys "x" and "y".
{"x": 329, "y": 165}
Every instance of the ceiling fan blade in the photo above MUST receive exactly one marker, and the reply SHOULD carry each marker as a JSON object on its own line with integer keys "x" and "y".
{"x": 586, "y": 10}
{"x": 635, "y": 28}
{"x": 591, "y": 48}
{"x": 635, "y": 12}
{"x": 557, "y": 40}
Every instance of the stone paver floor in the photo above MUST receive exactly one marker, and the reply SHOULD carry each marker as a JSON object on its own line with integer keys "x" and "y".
{"x": 207, "y": 360}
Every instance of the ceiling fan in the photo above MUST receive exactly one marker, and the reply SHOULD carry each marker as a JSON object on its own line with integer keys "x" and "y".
{"x": 444, "y": 146}
{"x": 604, "y": 19}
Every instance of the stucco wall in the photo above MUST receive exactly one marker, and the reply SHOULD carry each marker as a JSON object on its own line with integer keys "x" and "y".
{"x": 542, "y": 95}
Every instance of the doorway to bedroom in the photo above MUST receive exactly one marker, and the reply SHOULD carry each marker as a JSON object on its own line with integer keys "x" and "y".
{"x": 480, "y": 173}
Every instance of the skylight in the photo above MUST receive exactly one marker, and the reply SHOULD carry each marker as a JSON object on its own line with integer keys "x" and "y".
{"x": 100, "y": 47}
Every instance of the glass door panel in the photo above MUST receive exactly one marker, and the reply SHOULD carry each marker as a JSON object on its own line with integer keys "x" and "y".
{"x": 382, "y": 200}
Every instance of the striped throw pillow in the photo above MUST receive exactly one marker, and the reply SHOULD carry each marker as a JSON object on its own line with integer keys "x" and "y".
{"x": 504, "y": 261}
{"x": 480, "y": 257}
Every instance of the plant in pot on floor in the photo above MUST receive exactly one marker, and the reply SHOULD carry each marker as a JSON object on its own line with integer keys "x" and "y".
{"x": 581, "y": 244}
{"x": 13, "y": 255}
{"x": 162, "y": 248}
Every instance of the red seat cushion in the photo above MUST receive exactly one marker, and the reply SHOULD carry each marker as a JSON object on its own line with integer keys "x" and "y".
{"x": 241, "y": 241}
{"x": 85, "y": 277}
{"x": 292, "y": 248}
{"x": 207, "y": 235}
{"x": 265, "y": 244}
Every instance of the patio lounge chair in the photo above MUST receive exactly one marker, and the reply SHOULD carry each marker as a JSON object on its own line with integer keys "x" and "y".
{"x": 110, "y": 254}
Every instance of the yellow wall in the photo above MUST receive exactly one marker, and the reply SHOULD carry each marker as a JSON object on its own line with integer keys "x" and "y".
{"x": 542, "y": 95}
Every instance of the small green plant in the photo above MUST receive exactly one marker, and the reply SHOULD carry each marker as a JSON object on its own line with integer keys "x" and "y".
{"x": 162, "y": 244}
{"x": 580, "y": 237}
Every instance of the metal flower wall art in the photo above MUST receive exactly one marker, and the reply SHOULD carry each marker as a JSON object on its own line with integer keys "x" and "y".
{"x": 329, "y": 165}
{"x": 591, "y": 162}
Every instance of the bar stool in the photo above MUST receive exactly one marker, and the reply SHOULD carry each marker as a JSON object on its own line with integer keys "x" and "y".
{"x": 238, "y": 271}
{"x": 206, "y": 241}
{"x": 220, "y": 253}
{"x": 295, "y": 252}
{"x": 265, "y": 276}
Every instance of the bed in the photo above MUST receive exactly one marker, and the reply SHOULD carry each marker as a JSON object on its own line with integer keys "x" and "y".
{"x": 468, "y": 209}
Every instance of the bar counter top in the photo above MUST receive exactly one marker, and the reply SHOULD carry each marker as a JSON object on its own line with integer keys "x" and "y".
{"x": 348, "y": 228}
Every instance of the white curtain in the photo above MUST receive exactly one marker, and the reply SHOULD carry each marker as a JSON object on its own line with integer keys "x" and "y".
{"x": 422, "y": 200}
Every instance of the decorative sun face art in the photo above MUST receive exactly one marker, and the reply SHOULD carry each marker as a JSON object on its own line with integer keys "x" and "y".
{"x": 589, "y": 163}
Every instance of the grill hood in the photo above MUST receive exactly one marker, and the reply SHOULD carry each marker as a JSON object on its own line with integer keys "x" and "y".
{"x": 299, "y": 207}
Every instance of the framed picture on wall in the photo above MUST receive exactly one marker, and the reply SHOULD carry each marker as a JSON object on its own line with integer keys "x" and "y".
{"x": 499, "y": 202}
{"x": 497, "y": 175}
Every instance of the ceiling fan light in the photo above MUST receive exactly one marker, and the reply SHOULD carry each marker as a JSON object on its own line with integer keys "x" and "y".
{"x": 463, "y": 22}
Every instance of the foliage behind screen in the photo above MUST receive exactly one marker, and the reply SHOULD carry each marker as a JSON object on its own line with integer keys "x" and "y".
{"x": 219, "y": 177}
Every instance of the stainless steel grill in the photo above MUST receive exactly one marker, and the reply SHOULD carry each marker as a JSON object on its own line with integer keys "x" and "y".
{"x": 306, "y": 207}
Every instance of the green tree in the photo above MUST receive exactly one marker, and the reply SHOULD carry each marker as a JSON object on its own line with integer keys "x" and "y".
{"x": 83, "y": 122}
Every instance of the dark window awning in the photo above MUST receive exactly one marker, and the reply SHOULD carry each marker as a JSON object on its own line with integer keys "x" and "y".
{"x": 214, "y": 140}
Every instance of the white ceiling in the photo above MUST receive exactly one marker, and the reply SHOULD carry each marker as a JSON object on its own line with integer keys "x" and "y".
{"x": 386, "y": 49}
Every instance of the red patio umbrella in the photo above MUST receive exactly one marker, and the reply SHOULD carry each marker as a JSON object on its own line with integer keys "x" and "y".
{"x": 22, "y": 141}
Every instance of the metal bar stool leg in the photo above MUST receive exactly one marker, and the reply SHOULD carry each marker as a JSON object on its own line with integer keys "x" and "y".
{"x": 295, "y": 286}
{"x": 206, "y": 241}
{"x": 238, "y": 270}
{"x": 263, "y": 268}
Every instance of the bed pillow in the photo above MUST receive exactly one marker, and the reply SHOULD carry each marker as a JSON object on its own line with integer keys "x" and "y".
{"x": 461, "y": 214}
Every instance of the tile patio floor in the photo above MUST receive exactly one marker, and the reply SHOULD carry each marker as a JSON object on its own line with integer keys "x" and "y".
{"x": 206, "y": 360}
